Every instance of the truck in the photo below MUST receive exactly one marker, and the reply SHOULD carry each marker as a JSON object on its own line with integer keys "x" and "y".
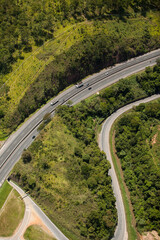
{"x": 80, "y": 84}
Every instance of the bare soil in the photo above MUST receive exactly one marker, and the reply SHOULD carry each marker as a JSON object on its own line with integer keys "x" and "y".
{"x": 154, "y": 139}
{"x": 35, "y": 220}
{"x": 150, "y": 236}
{"x": 1, "y": 143}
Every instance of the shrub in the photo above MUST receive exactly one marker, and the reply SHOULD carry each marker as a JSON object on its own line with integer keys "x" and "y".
{"x": 26, "y": 156}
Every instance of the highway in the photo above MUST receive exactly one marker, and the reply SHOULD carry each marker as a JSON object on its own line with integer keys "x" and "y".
{"x": 11, "y": 151}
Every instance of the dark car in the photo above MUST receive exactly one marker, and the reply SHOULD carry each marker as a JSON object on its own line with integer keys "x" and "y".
{"x": 89, "y": 88}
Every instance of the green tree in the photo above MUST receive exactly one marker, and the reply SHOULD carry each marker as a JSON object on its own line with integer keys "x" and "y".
{"x": 26, "y": 156}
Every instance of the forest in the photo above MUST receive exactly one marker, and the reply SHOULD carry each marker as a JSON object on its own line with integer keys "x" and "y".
{"x": 25, "y": 22}
{"x": 137, "y": 146}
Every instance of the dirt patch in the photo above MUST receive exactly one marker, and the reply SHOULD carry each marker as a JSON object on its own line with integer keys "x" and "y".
{"x": 150, "y": 236}
{"x": 154, "y": 139}
{"x": 1, "y": 143}
{"x": 35, "y": 220}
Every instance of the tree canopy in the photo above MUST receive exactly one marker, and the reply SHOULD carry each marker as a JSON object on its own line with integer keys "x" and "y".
{"x": 135, "y": 132}
{"x": 22, "y": 22}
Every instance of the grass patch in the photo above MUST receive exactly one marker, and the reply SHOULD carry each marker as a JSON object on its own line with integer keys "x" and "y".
{"x": 12, "y": 215}
{"x": 131, "y": 230}
{"x": 4, "y": 192}
{"x": 35, "y": 232}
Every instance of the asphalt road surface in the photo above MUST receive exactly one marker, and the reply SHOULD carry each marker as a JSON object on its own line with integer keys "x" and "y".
{"x": 12, "y": 149}
{"x": 121, "y": 230}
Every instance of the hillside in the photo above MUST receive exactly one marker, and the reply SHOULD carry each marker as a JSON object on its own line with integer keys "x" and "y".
{"x": 48, "y": 45}
{"x": 26, "y": 22}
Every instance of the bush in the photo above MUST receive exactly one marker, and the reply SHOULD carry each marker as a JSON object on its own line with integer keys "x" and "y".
{"x": 1, "y": 113}
{"x": 78, "y": 151}
{"x": 26, "y": 156}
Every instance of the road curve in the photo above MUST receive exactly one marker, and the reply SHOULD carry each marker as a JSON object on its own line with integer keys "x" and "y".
{"x": 121, "y": 230}
{"x": 22, "y": 138}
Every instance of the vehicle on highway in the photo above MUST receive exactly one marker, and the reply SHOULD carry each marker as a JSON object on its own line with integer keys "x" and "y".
{"x": 80, "y": 84}
{"x": 53, "y": 103}
{"x": 33, "y": 137}
{"x": 106, "y": 73}
{"x": 10, "y": 152}
{"x": 89, "y": 88}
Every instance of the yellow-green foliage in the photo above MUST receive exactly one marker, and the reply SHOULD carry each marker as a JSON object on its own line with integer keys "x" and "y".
{"x": 27, "y": 70}
{"x": 154, "y": 28}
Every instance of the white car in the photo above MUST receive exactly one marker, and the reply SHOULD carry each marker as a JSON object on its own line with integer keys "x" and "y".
{"x": 53, "y": 103}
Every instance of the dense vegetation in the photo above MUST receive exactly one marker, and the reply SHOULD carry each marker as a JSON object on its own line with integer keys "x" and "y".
{"x": 149, "y": 81}
{"x": 66, "y": 152}
{"x": 85, "y": 36}
{"x": 137, "y": 134}
{"x": 69, "y": 178}
{"x": 23, "y": 22}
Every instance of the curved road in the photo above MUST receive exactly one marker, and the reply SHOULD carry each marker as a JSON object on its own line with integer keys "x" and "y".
{"x": 22, "y": 138}
{"x": 121, "y": 230}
